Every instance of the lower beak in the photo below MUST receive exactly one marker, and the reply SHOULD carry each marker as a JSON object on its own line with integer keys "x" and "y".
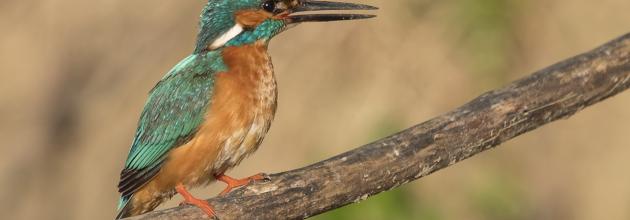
{"x": 312, "y": 5}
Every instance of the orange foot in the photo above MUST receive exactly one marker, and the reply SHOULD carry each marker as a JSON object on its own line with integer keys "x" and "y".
{"x": 235, "y": 183}
{"x": 189, "y": 199}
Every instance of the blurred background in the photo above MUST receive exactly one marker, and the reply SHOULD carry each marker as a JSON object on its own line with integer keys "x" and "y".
{"x": 74, "y": 76}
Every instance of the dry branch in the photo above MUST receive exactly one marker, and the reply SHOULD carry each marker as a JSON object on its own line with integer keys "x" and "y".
{"x": 553, "y": 93}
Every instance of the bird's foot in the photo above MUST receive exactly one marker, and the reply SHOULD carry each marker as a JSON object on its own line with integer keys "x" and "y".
{"x": 200, "y": 203}
{"x": 235, "y": 183}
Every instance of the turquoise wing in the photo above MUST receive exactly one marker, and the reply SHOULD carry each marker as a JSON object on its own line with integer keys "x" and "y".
{"x": 175, "y": 108}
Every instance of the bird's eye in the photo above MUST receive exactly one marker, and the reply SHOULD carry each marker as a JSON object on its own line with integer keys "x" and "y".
{"x": 269, "y": 6}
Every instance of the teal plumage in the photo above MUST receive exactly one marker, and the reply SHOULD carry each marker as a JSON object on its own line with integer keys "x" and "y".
{"x": 217, "y": 17}
{"x": 265, "y": 30}
{"x": 175, "y": 108}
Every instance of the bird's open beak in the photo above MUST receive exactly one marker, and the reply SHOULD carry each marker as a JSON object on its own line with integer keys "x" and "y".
{"x": 312, "y": 5}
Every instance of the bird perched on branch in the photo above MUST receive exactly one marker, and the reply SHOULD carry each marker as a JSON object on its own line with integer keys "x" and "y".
{"x": 214, "y": 107}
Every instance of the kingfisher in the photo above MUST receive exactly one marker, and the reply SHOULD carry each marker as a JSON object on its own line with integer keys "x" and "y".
{"x": 215, "y": 106}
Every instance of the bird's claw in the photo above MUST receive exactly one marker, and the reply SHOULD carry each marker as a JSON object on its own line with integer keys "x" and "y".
{"x": 236, "y": 183}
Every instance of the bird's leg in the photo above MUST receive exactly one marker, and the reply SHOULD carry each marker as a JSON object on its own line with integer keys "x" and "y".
{"x": 235, "y": 183}
{"x": 190, "y": 199}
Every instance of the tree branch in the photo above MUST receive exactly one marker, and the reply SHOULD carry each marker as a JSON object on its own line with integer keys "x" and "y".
{"x": 553, "y": 93}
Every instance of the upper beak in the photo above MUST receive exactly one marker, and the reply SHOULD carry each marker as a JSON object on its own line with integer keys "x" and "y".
{"x": 312, "y": 5}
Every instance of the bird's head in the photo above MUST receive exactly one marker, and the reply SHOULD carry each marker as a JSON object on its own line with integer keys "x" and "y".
{"x": 240, "y": 22}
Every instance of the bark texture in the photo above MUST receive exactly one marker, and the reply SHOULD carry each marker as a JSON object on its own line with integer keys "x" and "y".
{"x": 553, "y": 93}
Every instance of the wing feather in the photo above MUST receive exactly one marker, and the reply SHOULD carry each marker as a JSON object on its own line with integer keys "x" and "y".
{"x": 175, "y": 108}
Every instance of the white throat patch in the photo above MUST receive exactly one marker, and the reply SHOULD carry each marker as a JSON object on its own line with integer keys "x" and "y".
{"x": 227, "y": 36}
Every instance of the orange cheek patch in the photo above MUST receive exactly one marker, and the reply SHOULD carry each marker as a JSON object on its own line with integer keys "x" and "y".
{"x": 251, "y": 18}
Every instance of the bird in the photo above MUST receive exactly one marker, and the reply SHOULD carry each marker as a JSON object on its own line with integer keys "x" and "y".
{"x": 214, "y": 107}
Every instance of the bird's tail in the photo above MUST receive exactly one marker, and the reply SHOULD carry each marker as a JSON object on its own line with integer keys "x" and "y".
{"x": 124, "y": 208}
{"x": 140, "y": 202}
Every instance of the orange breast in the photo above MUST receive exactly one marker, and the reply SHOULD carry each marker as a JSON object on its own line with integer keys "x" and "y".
{"x": 242, "y": 108}
{"x": 243, "y": 105}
